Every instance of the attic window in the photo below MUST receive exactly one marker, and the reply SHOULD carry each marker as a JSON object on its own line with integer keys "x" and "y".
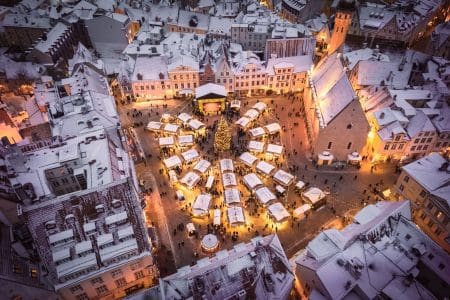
{"x": 407, "y": 236}
{"x": 349, "y": 126}
{"x": 83, "y": 154}
{"x": 441, "y": 266}
{"x": 430, "y": 256}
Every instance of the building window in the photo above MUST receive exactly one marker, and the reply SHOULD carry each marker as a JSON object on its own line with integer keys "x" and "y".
{"x": 416, "y": 141}
{"x": 121, "y": 282}
{"x": 425, "y": 147}
{"x": 438, "y": 231}
{"x": 407, "y": 236}
{"x": 139, "y": 274}
{"x": 439, "y": 215}
{"x": 394, "y": 146}
{"x": 413, "y": 148}
{"x": 135, "y": 266}
{"x": 82, "y": 297}
{"x": 116, "y": 273}
{"x": 349, "y": 145}
{"x": 400, "y": 146}
{"x": 386, "y": 147}
{"x": 349, "y": 126}
{"x": 401, "y": 187}
{"x": 423, "y": 193}
{"x": 101, "y": 290}
{"x": 76, "y": 288}
{"x": 441, "y": 266}
{"x": 97, "y": 280}
{"x": 329, "y": 145}
{"x": 430, "y": 256}
{"x": 423, "y": 216}
{"x": 406, "y": 179}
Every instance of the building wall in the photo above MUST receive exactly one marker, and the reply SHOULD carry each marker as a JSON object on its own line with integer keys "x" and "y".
{"x": 183, "y": 77}
{"x": 443, "y": 141}
{"x": 422, "y": 144}
{"x": 308, "y": 281}
{"x": 23, "y": 37}
{"x": 289, "y": 47}
{"x": 427, "y": 210}
{"x": 152, "y": 89}
{"x": 347, "y": 132}
{"x": 249, "y": 39}
{"x": 251, "y": 81}
{"x": 342, "y": 23}
{"x": 173, "y": 27}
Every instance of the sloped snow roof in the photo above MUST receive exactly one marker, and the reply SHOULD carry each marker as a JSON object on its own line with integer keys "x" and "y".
{"x": 419, "y": 123}
{"x": 300, "y": 63}
{"x": 210, "y": 88}
{"x": 151, "y": 68}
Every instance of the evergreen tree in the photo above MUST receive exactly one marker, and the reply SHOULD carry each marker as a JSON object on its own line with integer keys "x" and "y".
{"x": 222, "y": 138}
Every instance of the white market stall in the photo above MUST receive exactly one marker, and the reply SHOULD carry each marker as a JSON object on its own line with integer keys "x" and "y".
{"x": 283, "y": 177}
{"x": 171, "y": 128}
{"x": 274, "y": 150}
{"x": 184, "y": 117}
{"x": 273, "y": 128}
{"x": 252, "y": 181}
{"x": 232, "y": 197}
{"x": 196, "y": 125}
{"x": 229, "y": 180}
{"x": 166, "y": 142}
{"x": 260, "y": 106}
{"x": 166, "y": 117}
{"x": 236, "y": 215}
{"x": 202, "y": 166}
{"x": 209, "y": 182}
{"x": 235, "y": 104}
{"x": 265, "y": 196}
{"x": 190, "y": 155}
{"x": 252, "y": 114}
{"x": 226, "y": 165}
{"x": 256, "y": 146}
{"x": 190, "y": 179}
{"x": 243, "y": 122}
{"x": 154, "y": 126}
{"x": 299, "y": 185}
{"x": 316, "y": 196}
{"x": 257, "y": 132}
{"x": 210, "y": 243}
{"x": 354, "y": 158}
{"x": 325, "y": 158}
{"x": 280, "y": 190}
{"x": 201, "y": 205}
{"x": 185, "y": 140}
{"x": 301, "y": 211}
{"x": 248, "y": 159}
{"x": 172, "y": 162}
{"x": 278, "y": 212}
{"x": 265, "y": 168}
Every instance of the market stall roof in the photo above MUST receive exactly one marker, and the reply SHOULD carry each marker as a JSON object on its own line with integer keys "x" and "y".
{"x": 243, "y": 122}
{"x": 154, "y": 126}
{"x": 300, "y": 184}
{"x": 278, "y": 212}
{"x": 314, "y": 194}
{"x": 280, "y": 189}
{"x": 166, "y": 117}
{"x": 195, "y": 124}
{"x": 283, "y": 177}
{"x": 226, "y": 165}
{"x": 256, "y": 146}
{"x": 172, "y": 162}
{"x": 274, "y": 149}
{"x": 166, "y": 141}
{"x": 325, "y": 155}
{"x": 252, "y": 114}
{"x": 236, "y": 215}
{"x": 185, "y": 140}
{"x": 171, "y": 128}
{"x": 273, "y": 128}
{"x": 232, "y": 196}
{"x": 210, "y": 90}
{"x": 190, "y": 155}
{"x": 260, "y": 106}
{"x": 265, "y": 196}
{"x": 210, "y": 242}
{"x": 184, "y": 117}
{"x": 252, "y": 181}
{"x": 235, "y": 104}
{"x": 257, "y": 132}
{"x": 302, "y": 209}
{"x": 229, "y": 179}
{"x": 190, "y": 179}
{"x": 248, "y": 159}
{"x": 354, "y": 156}
{"x": 265, "y": 168}
{"x": 202, "y": 166}
{"x": 201, "y": 204}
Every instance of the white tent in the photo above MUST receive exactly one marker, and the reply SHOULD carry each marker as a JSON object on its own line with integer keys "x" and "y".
{"x": 325, "y": 158}
{"x": 172, "y": 162}
{"x": 273, "y": 128}
{"x": 166, "y": 142}
{"x": 202, "y": 166}
{"x": 354, "y": 158}
{"x": 260, "y": 106}
{"x": 301, "y": 210}
{"x": 235, "y": 215}
{"x": 171, "y": 128}
{"x": 248, "y": 159}
{"x": 252, "y": 114}
{"x": 278, "y": 212}
{"x": 166, "y": 117}
{"x": 154, "y": 126}
{"x": 229, "y": 179}
{"x": 226, "y": 165}
{"x": 184, "y": 117}
{"x": 195, "y": 124}
{"x": 257, "y": 132}
{"x": 201, "y": 204}
{"x": 314, "y": 195}
{"x": 265, "y": 168}
{"x": 283, "y": 177}
{"x": 265, "y": 196}
{"x": 235, "y": 104}
{"x": 232, "y": 196}
{"x": 190, "y": 179}
{"x": 209, "y": 182}
{"x": 190, "y": 155}
{"x": 300, "y": 184}
{"x": 243, "y": 122}
{"x": 280, "y": 189}
{"x": 256, "y": 146}
{"x": 252, "y": 181}
{"x": 275, "y": 150}
{"x": 185, "y": 140}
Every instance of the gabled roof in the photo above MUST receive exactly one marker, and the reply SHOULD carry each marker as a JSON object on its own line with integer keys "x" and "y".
{"x": 419, "y": 123}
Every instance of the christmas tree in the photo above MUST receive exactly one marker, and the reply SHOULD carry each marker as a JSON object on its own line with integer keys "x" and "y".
{"x": 222, "y": 138}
